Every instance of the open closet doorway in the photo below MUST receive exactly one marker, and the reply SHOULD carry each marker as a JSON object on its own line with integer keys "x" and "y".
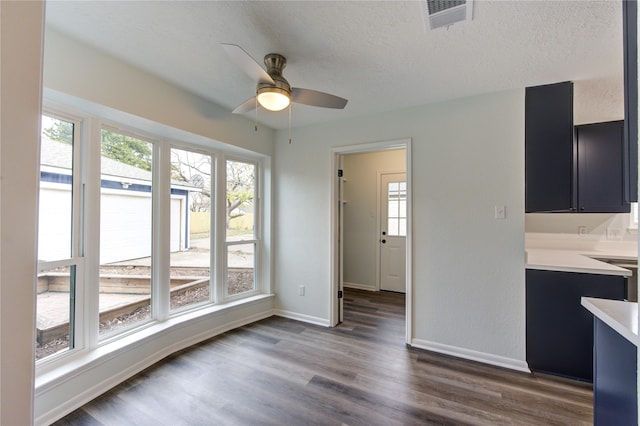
{"x": 371, "y": 220}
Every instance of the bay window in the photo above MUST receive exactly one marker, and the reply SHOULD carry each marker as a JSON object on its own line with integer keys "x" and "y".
{"x": 154, "y": 255}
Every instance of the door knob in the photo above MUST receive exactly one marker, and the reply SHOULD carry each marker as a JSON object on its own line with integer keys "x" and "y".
{"x": 383, "y": 241}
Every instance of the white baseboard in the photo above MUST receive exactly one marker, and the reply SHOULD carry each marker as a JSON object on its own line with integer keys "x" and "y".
{"x": 359, "y": 286}
{"x": 302, "y": 317}
{"x": 499, "y": 361}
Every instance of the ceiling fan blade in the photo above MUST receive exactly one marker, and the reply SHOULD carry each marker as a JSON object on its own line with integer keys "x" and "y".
{"x": 315, "y": 98}
{"x": 246, "y": 63}
{"x": 246, "y": 106}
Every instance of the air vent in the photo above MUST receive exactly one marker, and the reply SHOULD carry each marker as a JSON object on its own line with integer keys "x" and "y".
{"x": 443, "y": 13}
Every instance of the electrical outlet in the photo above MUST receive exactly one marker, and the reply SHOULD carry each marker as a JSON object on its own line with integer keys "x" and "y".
{"x": 300, "y": 290}
{"x": 582, "y": 231}
{"x": 614, "y": 234}
{"x": 500, "y": 212}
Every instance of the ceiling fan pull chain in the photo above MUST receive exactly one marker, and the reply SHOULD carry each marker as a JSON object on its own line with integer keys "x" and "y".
{"x": 256, "y": 125}
{"x": 290, "y": 124}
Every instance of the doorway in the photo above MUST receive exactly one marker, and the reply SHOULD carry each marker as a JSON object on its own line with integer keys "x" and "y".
{"x": 361, "y": 213}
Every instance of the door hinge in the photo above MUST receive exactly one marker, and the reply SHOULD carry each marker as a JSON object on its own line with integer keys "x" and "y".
{"x": 339, "y": 294}
{"x": 340, "y": 172}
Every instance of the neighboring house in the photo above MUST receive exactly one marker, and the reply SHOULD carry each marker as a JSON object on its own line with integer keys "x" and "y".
{"x": 125, "y": 207}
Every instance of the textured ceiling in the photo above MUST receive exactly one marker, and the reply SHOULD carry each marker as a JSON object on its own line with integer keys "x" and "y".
{"x": 376, "y": 54}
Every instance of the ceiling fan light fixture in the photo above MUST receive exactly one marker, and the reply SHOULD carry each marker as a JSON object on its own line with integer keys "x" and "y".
{"x": 273, "y": 98}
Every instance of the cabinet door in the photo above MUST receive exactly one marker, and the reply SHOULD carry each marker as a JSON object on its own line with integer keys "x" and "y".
{"x": 559, "y": 331}
{"x": 601, "y": 177}
{"x": 630, "y": 43}
{"x": 615, "y": 384}
{"x": 549, "y": 166}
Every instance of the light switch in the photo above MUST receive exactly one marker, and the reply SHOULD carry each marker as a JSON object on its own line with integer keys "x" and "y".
{"x": 500, "y": 212}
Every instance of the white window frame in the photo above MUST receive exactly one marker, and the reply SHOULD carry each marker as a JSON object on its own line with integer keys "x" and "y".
{"x": 77, "y": 327}
{"x": 257, "y": 231}
{"x": 212, "y": 221}
{"x": 156, "y": 290}
{"x": 87, "y": 143}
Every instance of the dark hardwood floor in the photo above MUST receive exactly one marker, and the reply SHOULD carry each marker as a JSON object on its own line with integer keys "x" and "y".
{"x": 283, "y": 372}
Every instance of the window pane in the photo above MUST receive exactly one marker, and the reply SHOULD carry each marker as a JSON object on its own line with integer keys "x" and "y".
{"x": 402, "y": 208}
{"x": 190, "y": 227}
{"x": 393, "y": 208}
{"x": 402, "y": 228}
{"x": 56, "y": 287}
{"x": 54, "y": 311}
{"x": 56, "y": 190}
{"x": 397, "y": 208}
{"x": 241, "y": 187}
{"x": 125, "y": 231}
{"x": 393, "y": 227}
{"x": 240, "y": 268}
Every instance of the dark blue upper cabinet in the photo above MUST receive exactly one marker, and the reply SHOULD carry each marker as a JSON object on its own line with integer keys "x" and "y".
{"x": 585, "y": 169}
{"x": 549, "y": 148}
{"x": 601, "y": 174}
{"x": 630, "y": 42}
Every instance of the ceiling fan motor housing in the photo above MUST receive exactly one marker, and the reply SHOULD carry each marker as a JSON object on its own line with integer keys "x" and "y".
{"x": 275, "y": 64}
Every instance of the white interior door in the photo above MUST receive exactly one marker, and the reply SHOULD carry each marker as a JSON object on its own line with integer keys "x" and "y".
{"x": 393, "y": 231}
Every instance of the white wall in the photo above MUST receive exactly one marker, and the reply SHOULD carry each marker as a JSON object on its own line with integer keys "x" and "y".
{"x": 75, "y": 72}
{"x": 563, "y": 227}
{"x": 20, "y": 85}
{"x": 568, "y": 223}
{"x": 361, "y": 233}
{"x": 468, "y": 156}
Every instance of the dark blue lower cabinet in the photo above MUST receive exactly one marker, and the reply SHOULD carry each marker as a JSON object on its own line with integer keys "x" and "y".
{"x": 615, "y": 398}
{"x": 559, "y": 330}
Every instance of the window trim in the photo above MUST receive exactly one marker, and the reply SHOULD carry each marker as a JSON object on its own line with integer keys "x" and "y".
{"x": 257, "y": 231}
{"x": 213, "y": 267}
{"x": 76, "y": 257}
{"x": 155, "y": 294}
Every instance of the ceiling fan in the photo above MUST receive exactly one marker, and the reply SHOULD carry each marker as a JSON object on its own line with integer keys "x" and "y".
{"x": 273, "y": 91}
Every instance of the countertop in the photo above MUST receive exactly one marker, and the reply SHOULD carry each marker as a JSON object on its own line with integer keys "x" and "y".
{"x": 576, "y": 261}
{"x": 621, "y": 316}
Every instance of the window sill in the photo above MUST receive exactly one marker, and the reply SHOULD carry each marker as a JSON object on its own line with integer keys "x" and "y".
{"x": 49, "y": 376}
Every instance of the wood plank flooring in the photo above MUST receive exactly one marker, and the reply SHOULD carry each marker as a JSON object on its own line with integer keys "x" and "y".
{"x": 283, "y": 372}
